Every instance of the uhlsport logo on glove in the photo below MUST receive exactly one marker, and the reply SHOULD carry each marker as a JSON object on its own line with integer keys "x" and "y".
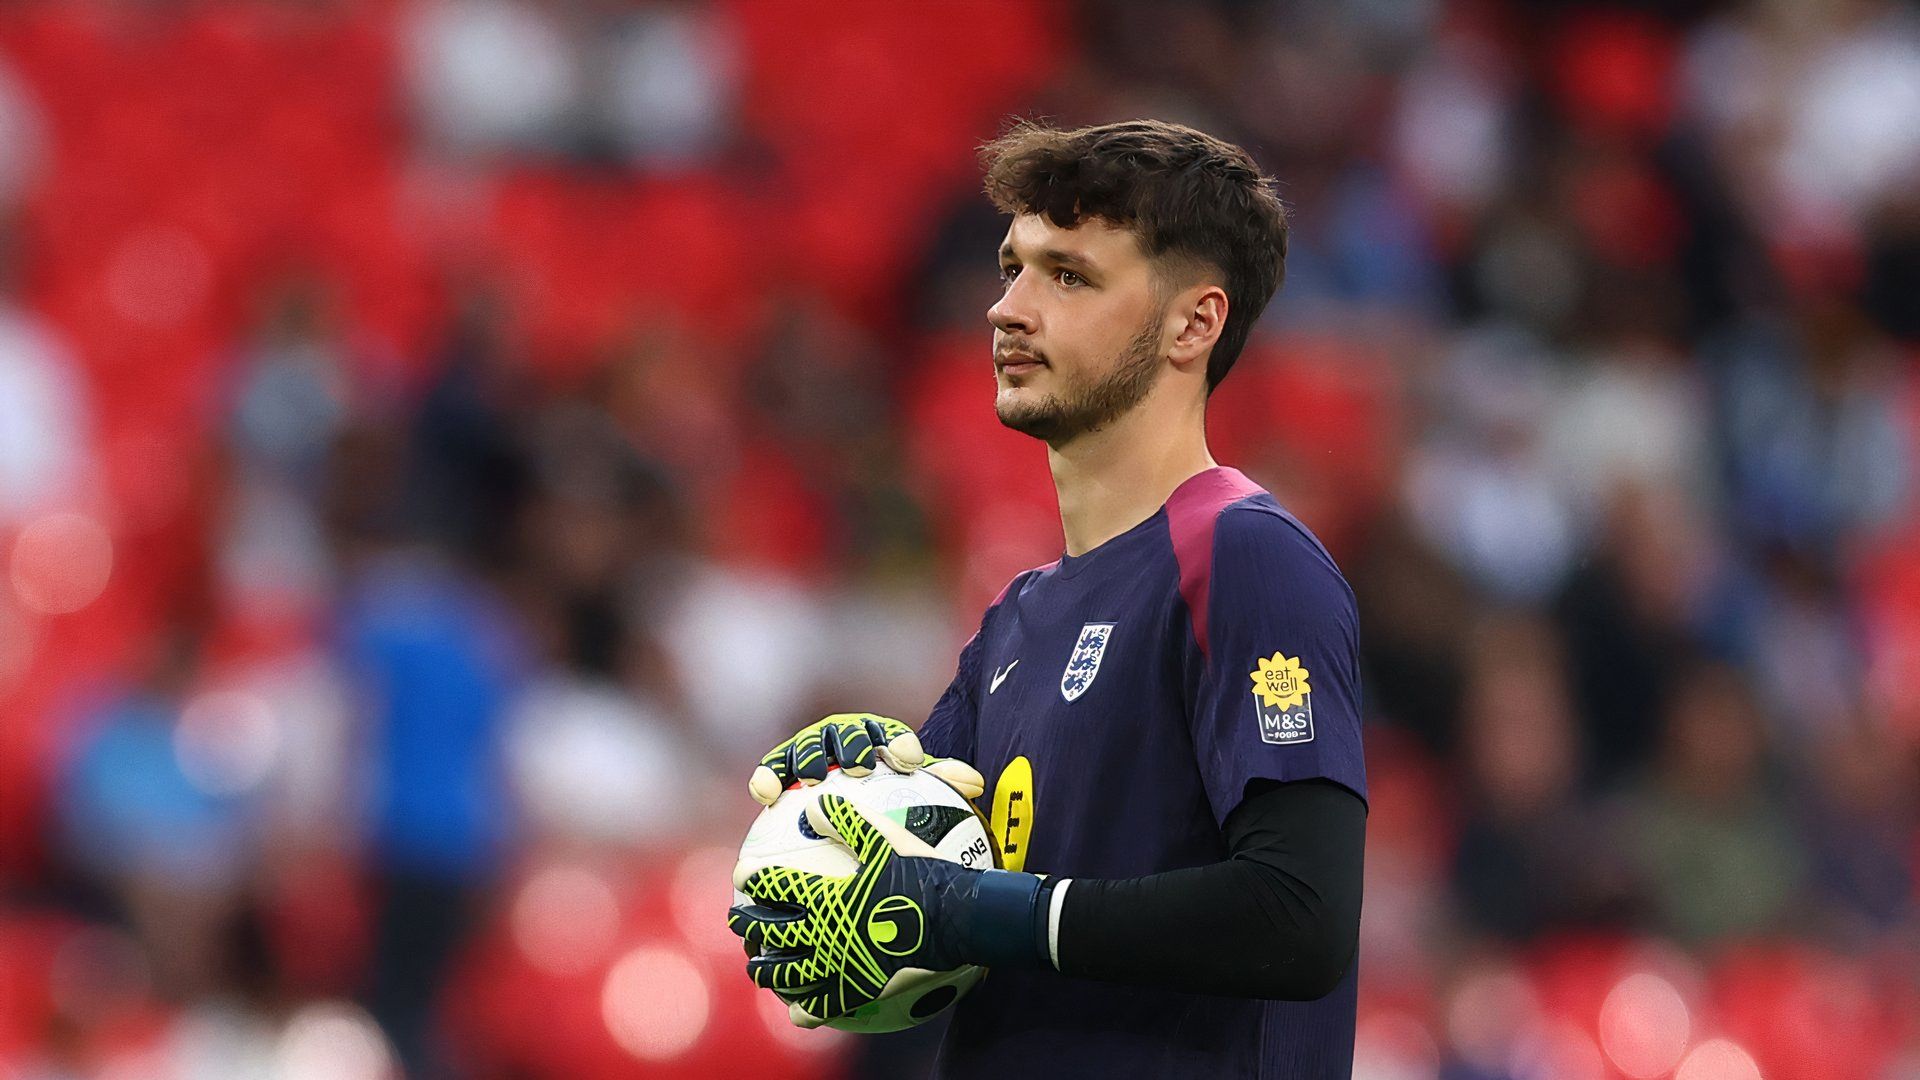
{"x": 897, "y": 926}
{"x": 1283, "y": 700}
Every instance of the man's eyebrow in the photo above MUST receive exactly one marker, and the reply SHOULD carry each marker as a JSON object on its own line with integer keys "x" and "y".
{"x": 1057, "y": 256}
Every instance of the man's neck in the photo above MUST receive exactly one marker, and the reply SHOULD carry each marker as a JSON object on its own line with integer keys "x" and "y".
{"x": 1110, "y": 480}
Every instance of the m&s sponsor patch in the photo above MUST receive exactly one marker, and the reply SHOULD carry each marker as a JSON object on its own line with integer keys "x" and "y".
{"x": 1283, "y": 700}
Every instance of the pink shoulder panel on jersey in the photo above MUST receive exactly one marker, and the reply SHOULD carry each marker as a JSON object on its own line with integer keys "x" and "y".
{"x": 1192, "y": 512}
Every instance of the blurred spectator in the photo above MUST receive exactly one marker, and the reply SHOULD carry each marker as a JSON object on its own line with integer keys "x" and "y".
{"x": 1656, "y": 591}
{"x": 1480, "y": 487}
{"x": 1803, "y": 648}
{"x": 1414, "y": 606}
{"x": 596, "y": 751}
{"x": 1532, "y": 856}
{"x": 595, "y": 767}
{"x": 492, "y": 76}
{"x": 648, "y": 85}
{"x": 1817, "y": 100}
{"x": 1633, "y": 414}
{"x": 166, "y": 842}
{"x": 1454, "y": 124}
{"x": 1714, "y": 848}
{"x": 464, "y": 470}
{"x": 436, "y": 661}
{"x": 296, "y": 387}
{"x": 1893, "y": 266}
{"x": 670, "y": 70}
{"x": 717, "y": 618}
{"x": 1861, "y": 826}
{"x": 1816, "y": 444}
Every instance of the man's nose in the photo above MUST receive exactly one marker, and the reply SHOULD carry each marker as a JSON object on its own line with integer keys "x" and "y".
{"x": 1011, "y": 314}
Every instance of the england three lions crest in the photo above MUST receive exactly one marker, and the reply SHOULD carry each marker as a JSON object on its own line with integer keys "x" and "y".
{"x": 1283, "y": 700}
{"x": 1084, "y": 664}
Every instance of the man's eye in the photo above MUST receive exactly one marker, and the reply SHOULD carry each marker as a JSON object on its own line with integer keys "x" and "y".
{"x": 1069, "y": 278}
{"x": 1008, "y": 273}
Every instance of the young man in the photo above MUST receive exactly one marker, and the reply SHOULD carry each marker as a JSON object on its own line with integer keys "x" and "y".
{"x": 1167, "y": 717}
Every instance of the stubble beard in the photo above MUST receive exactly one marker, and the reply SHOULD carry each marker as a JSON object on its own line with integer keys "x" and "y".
{"x": 1080, "y": 407}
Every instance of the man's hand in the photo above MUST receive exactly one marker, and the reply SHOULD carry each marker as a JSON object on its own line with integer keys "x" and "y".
{"x": 828, "y": 945}
{"x": 853, "y": 741}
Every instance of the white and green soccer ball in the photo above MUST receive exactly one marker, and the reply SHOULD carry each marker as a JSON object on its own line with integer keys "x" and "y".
{"x": 925, "y": 806}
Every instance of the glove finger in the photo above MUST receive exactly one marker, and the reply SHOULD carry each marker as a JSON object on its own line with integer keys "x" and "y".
{"x": 959, "y": 775}
{"x": 785, "y": 975}
{"x": 775, "y": 760}
{"x": 851, "y": 747}
{"x": 869, "y": 835}
{"x": 761, "y": 925}
{"x": 902, "y": 750}
{"x": 765, "y": 785}
{"x": 795, "y": 954}
{"x": 801, "y": 1018}
{"x": 831, "y": 815}
{"x": 781, "y": 884}
{"x": 807, "y": 759}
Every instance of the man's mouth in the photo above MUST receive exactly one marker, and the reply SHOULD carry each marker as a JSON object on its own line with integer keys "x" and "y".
{"x": 1018, "y": 363}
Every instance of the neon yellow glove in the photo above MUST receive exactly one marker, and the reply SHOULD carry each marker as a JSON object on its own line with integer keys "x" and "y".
{"x": 828, "y": 945}
{"x": 853, "y": 741}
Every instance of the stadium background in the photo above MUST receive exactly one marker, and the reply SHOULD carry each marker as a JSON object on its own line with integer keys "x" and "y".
{"x": 442, "y": 443}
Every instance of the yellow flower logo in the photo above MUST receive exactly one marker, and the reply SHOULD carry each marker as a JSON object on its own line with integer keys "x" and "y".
{"x": 1281, "y": 683}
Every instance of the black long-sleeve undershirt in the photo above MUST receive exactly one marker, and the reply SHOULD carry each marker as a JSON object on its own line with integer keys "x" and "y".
{"x": 1280, "y": 918}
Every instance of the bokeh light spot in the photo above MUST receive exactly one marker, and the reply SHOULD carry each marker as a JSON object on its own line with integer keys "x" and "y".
{"x": 1394, "y": 1046}
{"x": 1718, "y": 1059}
{"x": 1644, "y": 1026}
{"x": 61, "y": 562}
{"x": 1487, "y": 1011}
{"x": 565, "y": 919}
{"x": 227, "y": 742}
{"x": 333, "y": 1041}
{"x": 655, "y": 1003}
{"x": 1557, "y": 1050}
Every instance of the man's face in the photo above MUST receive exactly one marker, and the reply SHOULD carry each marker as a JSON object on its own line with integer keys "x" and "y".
{"x": 1077, "y": 333}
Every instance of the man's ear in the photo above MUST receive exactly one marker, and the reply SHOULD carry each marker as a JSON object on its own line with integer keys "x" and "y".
{"x": 1199, "y": 315}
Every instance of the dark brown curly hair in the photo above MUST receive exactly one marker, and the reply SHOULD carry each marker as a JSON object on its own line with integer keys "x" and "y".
{"x": 1195, "y": 202}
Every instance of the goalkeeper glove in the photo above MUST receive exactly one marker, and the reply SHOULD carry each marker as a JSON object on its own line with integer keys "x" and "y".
{"x": 853, "y": 741}
{"x": 828, "y": 945}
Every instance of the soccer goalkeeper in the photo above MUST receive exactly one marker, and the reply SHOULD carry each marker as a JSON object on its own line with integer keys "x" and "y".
{"x": 1166, "y": 719}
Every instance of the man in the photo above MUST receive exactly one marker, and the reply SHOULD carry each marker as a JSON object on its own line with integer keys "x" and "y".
{"x": 1167, "y": 717}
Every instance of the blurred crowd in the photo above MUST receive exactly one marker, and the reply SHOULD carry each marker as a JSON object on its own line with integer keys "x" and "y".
{"x": 443, "y": 443}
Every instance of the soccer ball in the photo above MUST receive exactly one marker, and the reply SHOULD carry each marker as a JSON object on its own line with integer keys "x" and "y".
{"x": 929, "y": 809}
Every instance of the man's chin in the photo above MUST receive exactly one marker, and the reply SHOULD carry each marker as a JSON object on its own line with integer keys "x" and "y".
{"x": 1041, "y": 420}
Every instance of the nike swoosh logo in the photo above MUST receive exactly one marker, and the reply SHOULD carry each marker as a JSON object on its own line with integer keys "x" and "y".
{"x": 1001, "y": 676}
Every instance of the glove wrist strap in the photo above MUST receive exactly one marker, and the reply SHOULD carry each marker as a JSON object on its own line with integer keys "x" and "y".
{"x": 1009, "y": 924}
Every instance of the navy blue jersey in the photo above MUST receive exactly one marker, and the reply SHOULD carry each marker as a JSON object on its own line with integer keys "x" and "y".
{"x": 1119, "y": 703}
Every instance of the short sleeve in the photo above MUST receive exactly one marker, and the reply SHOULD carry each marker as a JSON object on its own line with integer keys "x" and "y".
{"x": 1278, "y": 695}
{"x": 949, "y": 730}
